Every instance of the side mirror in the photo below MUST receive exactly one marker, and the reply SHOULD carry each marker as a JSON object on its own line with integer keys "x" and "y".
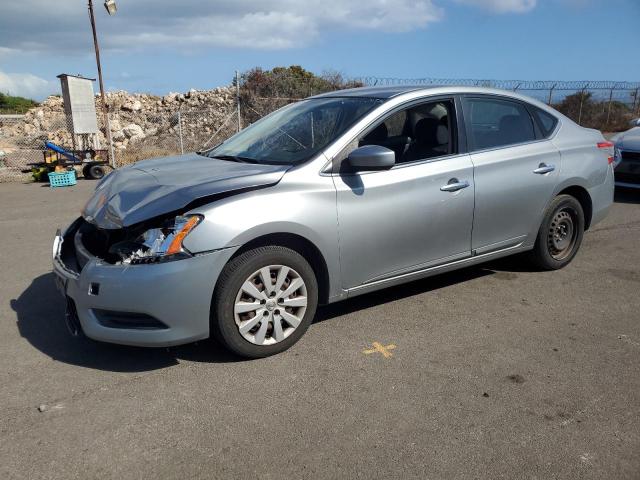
{"x": 635, "y": 122}
{"x": 371, "y": 157}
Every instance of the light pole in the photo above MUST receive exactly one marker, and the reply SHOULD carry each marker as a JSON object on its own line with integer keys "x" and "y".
{"x": 110, "y": 5}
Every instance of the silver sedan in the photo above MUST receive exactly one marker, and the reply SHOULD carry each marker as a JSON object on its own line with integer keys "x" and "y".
{"x": 328, "y": 198}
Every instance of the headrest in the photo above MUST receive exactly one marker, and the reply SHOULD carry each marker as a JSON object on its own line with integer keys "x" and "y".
{"x": 513, "y": 128}
{"x": 442, "y": 136}
{"x": 426, "y": 131}
{"x": 431, "y": 131}
{"x": 509, "y": 121}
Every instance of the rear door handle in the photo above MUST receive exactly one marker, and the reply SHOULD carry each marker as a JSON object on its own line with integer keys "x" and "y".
{"x": 454, "y": 185}
{"x": 544, "y": 168}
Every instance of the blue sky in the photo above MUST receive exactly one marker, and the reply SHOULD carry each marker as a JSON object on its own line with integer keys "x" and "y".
{"x": 162, "y": 45}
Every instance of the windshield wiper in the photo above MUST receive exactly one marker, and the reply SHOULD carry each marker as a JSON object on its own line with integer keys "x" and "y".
{"x": 235, "y": 158}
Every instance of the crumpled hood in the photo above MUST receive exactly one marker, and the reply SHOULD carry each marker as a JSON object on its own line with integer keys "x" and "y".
{"x": 150, "y": 188}
{"x": 629, "y": 140}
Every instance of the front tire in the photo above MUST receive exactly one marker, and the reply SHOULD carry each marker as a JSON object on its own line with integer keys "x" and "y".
{"x": 264, "y": 302}
{"x": 560, "y": 234}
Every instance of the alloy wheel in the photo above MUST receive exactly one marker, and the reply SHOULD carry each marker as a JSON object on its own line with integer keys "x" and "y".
{"x": 270, "y": 304}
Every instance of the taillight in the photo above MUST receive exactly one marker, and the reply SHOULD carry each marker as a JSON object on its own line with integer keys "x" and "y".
{"x": 606, "y": 145}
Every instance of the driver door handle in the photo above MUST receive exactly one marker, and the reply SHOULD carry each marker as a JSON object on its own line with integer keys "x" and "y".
{"x": 544, "y": 168}
{"x": 454, "y": 185}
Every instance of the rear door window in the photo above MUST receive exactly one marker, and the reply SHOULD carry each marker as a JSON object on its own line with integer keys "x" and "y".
{"x": 494, "y": 123}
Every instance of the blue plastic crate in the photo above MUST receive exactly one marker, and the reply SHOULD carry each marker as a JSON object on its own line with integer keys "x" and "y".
{"x": 62, "y": 179}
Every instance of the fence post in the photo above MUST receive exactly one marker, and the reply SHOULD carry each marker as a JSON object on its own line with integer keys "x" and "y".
{"x": 238, "y": 100}
{"x": 180, "y": 133}
{"x": 635, "y": 101}
{"x": 582, "y": 93}
{"x": 551, "y": 93}
{"x": 609, "y": 107}
{"x": 112, "y": 150}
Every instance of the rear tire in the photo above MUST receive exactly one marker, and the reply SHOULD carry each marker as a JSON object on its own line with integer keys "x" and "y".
{"x": 255, "y": 318}
{"x": 560, "y": 234}
{"x": 96, "y": 172}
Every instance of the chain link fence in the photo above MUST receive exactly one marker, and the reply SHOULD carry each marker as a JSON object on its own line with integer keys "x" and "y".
{"x": 23, "y": 137}
{"x": 146, "y": 126}
{"x": 155, "y": 135}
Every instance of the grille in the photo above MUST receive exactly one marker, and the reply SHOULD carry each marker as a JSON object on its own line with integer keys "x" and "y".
{"x": 627, "y": 178}
{"x": 630, "y": 155}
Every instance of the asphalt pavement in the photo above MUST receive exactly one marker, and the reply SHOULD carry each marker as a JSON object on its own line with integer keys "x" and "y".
{"x": 494, "y": 371}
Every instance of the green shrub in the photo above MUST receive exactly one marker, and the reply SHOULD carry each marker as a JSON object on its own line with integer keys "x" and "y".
{"x": 11, "y": 104}
{"x": 263, "y": 91}
{"x": 583, "y": 109}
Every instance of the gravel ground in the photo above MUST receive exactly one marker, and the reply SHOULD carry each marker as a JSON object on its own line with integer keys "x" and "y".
{"x": 497, "y": 372}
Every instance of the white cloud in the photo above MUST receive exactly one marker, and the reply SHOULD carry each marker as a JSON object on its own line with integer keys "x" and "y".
{"x": 272, "y": 30}
{"x": 27, "y": 85}
{"x": 42, "y": 25}
{"x": 7, "y": 52}
{"x": 503, "y": 6}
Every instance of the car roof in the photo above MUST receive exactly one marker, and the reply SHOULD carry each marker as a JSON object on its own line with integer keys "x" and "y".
{"x": 376, "y": 92}
{"x": 388, "y": 92}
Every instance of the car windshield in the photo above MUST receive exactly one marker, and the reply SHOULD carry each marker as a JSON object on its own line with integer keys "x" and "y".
{"x": 294, "y": 133}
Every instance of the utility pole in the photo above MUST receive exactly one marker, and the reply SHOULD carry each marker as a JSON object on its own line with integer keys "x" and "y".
{"x": 238, "y": 100}
{"x": 105, "y": 108}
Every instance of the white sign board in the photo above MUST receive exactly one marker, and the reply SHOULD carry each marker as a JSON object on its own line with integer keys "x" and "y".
{"x": 79, "y": 104}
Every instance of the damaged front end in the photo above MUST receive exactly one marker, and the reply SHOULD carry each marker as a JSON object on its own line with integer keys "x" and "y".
{"x": 157, "y": 244}
{"x": 131, "y": 217}
{"x": 154, "y": 241}
{"x": 111, "y": 297}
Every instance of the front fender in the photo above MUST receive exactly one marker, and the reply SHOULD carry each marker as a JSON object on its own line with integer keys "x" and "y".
{"x": 304, "y": 209}
{"x": 237, "y": 220}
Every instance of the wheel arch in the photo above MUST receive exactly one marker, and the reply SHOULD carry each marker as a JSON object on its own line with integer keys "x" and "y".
{"x": 304, "y": 247}
{"x": 582, "y": 195}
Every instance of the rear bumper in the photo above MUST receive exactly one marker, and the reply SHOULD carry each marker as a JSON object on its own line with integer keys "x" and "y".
{"x": 175, "y": 295}
{"x": 602, "y": 198}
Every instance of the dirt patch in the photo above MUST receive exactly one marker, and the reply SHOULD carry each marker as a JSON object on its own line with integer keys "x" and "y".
{"x": 626, "y": 275}
{"x": 516, "y": 378}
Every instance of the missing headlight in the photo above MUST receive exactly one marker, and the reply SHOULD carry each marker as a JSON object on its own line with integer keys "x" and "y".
{"x": 157, "y": 244}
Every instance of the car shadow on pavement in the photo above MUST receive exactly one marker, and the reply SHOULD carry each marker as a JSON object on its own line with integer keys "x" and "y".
{"x": 627, "y": 195}
{"x": 400, "y": 292}
{"x": 40, "y": 313}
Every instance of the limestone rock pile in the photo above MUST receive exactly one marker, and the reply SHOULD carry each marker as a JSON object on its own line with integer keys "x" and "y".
{"x": 134, "y": 117}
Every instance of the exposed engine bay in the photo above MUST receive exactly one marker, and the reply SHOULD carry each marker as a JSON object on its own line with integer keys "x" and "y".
{"x": 149, "y": 242}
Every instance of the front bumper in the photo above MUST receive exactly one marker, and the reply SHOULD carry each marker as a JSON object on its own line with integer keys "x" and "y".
{"x": 176, "y": 295}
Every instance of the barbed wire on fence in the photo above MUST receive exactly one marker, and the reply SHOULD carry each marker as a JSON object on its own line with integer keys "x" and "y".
{"x": 606, "y": 105}
{"x": 504, "y": 84}
{"x": 158, "y": 131}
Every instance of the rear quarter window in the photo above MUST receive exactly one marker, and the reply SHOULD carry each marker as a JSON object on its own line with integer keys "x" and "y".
{"x": 546, "y": 121}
